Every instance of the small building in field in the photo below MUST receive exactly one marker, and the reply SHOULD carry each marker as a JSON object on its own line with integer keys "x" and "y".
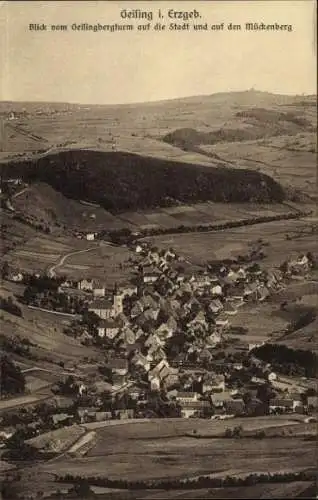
{"x": 90, "y": 236}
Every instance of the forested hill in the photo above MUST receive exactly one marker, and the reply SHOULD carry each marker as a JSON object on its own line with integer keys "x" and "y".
{"x": 121, "y": 181}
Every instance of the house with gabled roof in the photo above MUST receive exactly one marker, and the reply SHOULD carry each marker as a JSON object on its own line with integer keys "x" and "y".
{"x": 108, "y": 328}
{"x": 195, "y": 408}
{"x": 215, "y": 306}
{"x": 198, "y": 321}
{"x": 187, "y": 397}
{"x": 139, "y": 359}
{"x": 138, "y": 332}
{"x": 167, "y": 329}
{"x": 262, "y": 292}
{"x": 154, "y": 340}
{"x": 102, "y": 307}
{"x": 136, "y": 310}
{"x": 213, "y": 383}
{"x": 127, "y": 290}
{"x": 157, "y": 353}
{"x": 85, "y": 285}
{"x": 99, "y": 289}
{"x": 222, "y": 321}
{"x": 127, "y": 335}
{"x": 213, "y": 339}
{"x": 151, "y": 314}
{"x": 151, "y": 275}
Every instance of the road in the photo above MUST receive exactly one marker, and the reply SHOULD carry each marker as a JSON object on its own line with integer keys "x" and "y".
{"x": 20, "y": 192}
{"x": 38, "y": 368}
{"x": 51, "y": 270}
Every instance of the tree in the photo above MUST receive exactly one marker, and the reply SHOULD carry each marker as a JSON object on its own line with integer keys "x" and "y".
{"x": 5, "y": 270}
{"x": 12, "y": 380}
{"x": 237, "y": 431}
{"x": 82, "y": 489}
{"x": 9, "y": 487}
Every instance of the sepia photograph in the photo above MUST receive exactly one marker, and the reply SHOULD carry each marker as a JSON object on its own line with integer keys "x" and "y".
{"x": 159, "y": 258}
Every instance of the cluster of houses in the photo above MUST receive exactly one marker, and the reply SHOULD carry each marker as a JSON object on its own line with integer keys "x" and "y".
{"x": 164, "y": 327}
{"x": 171, "y": 305}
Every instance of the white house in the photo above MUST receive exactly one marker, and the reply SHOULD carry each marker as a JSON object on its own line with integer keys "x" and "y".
{"x": 187, "y": 397}
{"x": 90, "y": 236}
{"x": 222, "y": 322}
{"x": 272, "y": 376}
{"x": 16, "y": 277}
{"x": 99, "y": 290}
{"x": 215, "y": 306}
{"x": 85, "y": 285}
{"x": 216, "y": 290}
{"x": 151, "y": 277}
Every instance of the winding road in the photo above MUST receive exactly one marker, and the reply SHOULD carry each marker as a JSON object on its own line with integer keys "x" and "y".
{"x": 51, "y": 270}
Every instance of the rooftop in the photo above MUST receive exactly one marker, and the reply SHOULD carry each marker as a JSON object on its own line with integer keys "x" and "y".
{"x": 101, "y": 304}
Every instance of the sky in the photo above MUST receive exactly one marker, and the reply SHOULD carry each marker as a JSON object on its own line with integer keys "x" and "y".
{"x": 148, "y": 65}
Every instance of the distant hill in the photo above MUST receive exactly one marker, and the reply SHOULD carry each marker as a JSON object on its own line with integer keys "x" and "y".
{"x": 123, "y": 181}
{"x": 259, "y": 131}
{"x": 256, "y": 123}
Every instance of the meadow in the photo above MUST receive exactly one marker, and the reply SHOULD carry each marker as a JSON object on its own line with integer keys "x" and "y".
{"x": 161, "y": 449}
{"x": 230, "y": 243}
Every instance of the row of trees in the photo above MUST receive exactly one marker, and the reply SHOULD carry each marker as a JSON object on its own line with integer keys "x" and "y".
{"x": 196, "y": 483}
{"x": 125, "y": 236}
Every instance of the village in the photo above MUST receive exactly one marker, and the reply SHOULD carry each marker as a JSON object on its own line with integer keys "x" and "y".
{"x": 169, "y": 345}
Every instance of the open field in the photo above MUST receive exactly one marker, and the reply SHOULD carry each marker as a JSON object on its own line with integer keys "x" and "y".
{"x": 186, "y": 457}
{"x": 74, "y": 257}
{"x": 6, "y": 404}
{"x": 258, "y": 331}
{"x": 106, "y": 263}
{"x": 35, "y": 383}
{"x": 277, "y": 490}
{"x": 44, "y": 204}
{"x": 46, "y": 332}
{"x": 305, "y": 338}
{"x": 160, "y": 449}
{"x": 41, "y": 251}
{"x": 229, "y": 243}
{"x": 59, "y": 440}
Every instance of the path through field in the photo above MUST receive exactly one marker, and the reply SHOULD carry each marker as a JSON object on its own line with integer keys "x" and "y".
{"x": 51, "y": 270}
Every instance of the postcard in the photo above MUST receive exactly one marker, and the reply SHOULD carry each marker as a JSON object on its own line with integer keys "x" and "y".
{"x": 159, "y": 264}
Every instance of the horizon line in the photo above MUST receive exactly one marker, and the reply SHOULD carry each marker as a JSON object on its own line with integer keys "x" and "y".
{"x": 74, "y": 103}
